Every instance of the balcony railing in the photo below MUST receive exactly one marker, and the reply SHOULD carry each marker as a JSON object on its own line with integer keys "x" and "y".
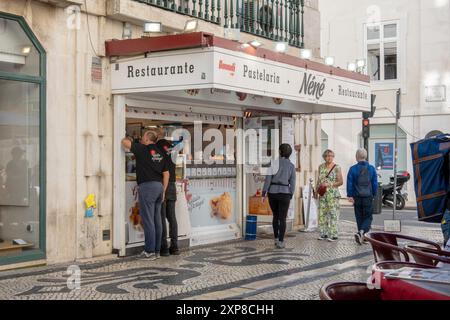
{"x": 278, "y": 20}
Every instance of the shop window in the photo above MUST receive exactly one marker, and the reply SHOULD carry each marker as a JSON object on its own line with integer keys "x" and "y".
{"x": 382, "y": 51}
{"x": 22, "y": 194}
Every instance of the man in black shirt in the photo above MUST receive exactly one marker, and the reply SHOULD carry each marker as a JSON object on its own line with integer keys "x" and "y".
{"x": 152, "y": 172}
{"x": 168, "y": 206}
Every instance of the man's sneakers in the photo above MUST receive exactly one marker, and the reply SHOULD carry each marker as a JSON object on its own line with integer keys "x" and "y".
{"x": 174, "y": 251}
{"x": 334, "y": 239}
{"x": 148, "y": 256}
{"x": 359, "y": 237}
{"x": 321, "y": 238}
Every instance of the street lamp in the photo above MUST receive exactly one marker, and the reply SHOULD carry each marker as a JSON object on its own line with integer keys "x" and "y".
{"x": 395, "y": 225}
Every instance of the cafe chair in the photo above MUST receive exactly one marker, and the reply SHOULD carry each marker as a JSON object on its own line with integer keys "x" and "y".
{"x": 428, "y": 256}
{"x": 349, "y": 291}
{"x": 385, "y": 246}
{"x": 395, "y": 265}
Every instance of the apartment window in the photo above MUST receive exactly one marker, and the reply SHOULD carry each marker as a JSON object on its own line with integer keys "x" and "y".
{"x": 382, "y": 51}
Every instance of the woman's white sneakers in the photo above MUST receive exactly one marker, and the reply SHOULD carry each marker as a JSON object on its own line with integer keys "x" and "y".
{"x": 281, "y": 245}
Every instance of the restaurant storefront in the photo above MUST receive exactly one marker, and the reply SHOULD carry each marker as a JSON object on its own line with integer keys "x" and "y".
{"x": 22, "y": 142}
{"x": 227, "y": 108}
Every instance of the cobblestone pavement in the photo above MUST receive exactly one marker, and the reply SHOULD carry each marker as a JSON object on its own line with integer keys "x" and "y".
{"x": 237, "y": 270}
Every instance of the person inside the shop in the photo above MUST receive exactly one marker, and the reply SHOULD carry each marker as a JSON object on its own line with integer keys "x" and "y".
{"x": 168, "y": 206}
{"x": 330, "y": 179}
{"x": 280, "y": 189}
{"x": 152, "y": 173}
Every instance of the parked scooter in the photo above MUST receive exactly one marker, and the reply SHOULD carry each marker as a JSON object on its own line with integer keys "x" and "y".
{"x": 388, "y": 191}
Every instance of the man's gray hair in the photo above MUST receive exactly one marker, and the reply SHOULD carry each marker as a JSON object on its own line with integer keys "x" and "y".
{"x": 361, "y": 154}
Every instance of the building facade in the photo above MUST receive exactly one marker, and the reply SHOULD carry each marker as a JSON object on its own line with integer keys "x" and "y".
{"x": 57, "y": 117}
{"x": 405, "y": 45}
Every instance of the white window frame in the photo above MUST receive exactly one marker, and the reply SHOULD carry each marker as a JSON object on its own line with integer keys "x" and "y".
{"x": 382, "y": 41}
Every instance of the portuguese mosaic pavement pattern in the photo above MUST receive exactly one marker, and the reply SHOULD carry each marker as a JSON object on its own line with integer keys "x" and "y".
{"x": 235, "y": 270}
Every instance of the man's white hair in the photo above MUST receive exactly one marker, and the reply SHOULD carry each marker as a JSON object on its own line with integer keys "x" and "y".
{"x": 151, "y": 135}
{"x": 361, "y": 154}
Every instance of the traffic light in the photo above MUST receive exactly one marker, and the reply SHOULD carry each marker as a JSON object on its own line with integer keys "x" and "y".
{"x": 366, "y": 129}
{"x": 373, "y": 108}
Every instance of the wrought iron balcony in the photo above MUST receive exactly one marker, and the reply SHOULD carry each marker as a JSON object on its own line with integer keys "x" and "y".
{"x": 278, "y": 20}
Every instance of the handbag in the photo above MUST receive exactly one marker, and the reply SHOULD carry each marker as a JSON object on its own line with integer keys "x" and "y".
{"x": 323, "y": 189}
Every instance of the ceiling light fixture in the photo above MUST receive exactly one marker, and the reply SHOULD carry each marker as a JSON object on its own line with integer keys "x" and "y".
{"x": 26, "y": 50}
{"x": 255, "y": 43}
{"x": 152, "y": 27}
{"x": 306, "y": 54}
{"x": 191, "y": 26}
{"x": 329, "y": 61}
{"x": 351, "y": 66}
{"x": 281, "y": 47}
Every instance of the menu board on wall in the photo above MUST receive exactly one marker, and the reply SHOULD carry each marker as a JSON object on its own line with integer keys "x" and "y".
{"x": 133, "y": 220}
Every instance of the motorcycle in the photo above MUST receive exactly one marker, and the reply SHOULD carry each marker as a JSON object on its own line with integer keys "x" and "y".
{"x": 388, "y": 191}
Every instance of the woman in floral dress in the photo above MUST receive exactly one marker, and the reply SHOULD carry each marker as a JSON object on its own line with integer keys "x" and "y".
{"x": 330, "y": 176}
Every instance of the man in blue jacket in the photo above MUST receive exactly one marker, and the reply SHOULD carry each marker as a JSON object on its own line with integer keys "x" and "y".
{"x": 362, "y": 187}
{"x": 446, "y": 218}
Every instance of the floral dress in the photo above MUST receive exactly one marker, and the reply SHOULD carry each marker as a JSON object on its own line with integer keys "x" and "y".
{"x": 329, "y": 204}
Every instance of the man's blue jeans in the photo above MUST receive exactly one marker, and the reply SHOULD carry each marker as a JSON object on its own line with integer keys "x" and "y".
{"x": 446, "y": 226}
{"x": 364, "y": 213}
{"x": 150, "y": 200}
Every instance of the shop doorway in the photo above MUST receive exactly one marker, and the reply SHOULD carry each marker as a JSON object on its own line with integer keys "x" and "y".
{"x": 209, "y": 204}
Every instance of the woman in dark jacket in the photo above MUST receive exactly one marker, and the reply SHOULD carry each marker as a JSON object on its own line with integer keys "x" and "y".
{"x": 280, "y": 189}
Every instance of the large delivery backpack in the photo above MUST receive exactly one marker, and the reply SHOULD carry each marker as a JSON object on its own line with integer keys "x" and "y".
{"x": 430, "y": 161}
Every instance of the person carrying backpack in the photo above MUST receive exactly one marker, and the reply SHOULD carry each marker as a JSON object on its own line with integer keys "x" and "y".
{"x": 446, "y": 219}
{"x": 362, "y": 187}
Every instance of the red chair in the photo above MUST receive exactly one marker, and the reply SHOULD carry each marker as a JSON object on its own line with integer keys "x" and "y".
{"x": 386, "y": 248}
{"x": 395, "y": 265}
{"x": 349, "y": 291}
{"x": 428, "y": 256}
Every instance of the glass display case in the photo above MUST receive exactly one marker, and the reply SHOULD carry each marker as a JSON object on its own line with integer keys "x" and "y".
{"x": 180, "y": 170}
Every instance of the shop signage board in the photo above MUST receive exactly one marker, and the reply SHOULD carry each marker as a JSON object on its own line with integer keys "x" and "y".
{"x": 229, "y": 70}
